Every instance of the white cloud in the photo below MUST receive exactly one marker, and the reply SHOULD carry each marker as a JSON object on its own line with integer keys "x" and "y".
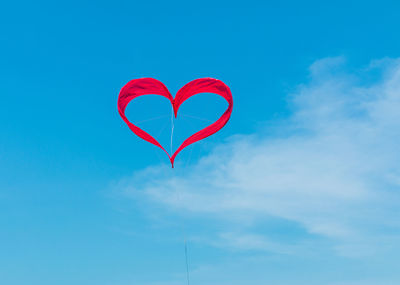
{"x": 333, "y": 167}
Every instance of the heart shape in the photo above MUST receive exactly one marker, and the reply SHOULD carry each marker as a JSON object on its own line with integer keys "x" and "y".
{"x": 151, "y": 86}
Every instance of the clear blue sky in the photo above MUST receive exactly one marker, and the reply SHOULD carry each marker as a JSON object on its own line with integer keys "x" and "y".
{"x": 77, "y": 205}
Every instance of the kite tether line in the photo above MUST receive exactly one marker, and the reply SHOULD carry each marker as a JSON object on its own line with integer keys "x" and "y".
{"x": 179, "y": 197}
{"x": 187, "y": 264}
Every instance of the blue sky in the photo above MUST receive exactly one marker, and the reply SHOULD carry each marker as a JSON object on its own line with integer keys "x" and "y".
{"x": 301, "y": 187}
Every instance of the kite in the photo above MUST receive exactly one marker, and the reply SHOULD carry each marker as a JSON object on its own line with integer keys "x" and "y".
{"x": 151, "y": 86}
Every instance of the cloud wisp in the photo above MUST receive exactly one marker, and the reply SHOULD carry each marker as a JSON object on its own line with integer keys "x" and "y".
{"x": 332, "y": 167}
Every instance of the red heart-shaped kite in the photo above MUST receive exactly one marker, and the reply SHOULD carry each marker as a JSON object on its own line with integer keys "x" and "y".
{"x": 150, "y": 86}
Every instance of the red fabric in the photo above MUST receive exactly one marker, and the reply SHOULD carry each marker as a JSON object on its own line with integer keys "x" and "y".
{"x": 147, "y": 86}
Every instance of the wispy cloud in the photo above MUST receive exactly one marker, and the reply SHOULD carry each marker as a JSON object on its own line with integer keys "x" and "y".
{"x": 332, "y": 167}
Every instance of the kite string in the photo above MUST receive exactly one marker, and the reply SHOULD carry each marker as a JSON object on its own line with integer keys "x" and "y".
{"x": 180, "y": 200}
{"x": 184, "y": 232}
{"x": 183, "y": 226}
{"x": 187, "y": 264}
